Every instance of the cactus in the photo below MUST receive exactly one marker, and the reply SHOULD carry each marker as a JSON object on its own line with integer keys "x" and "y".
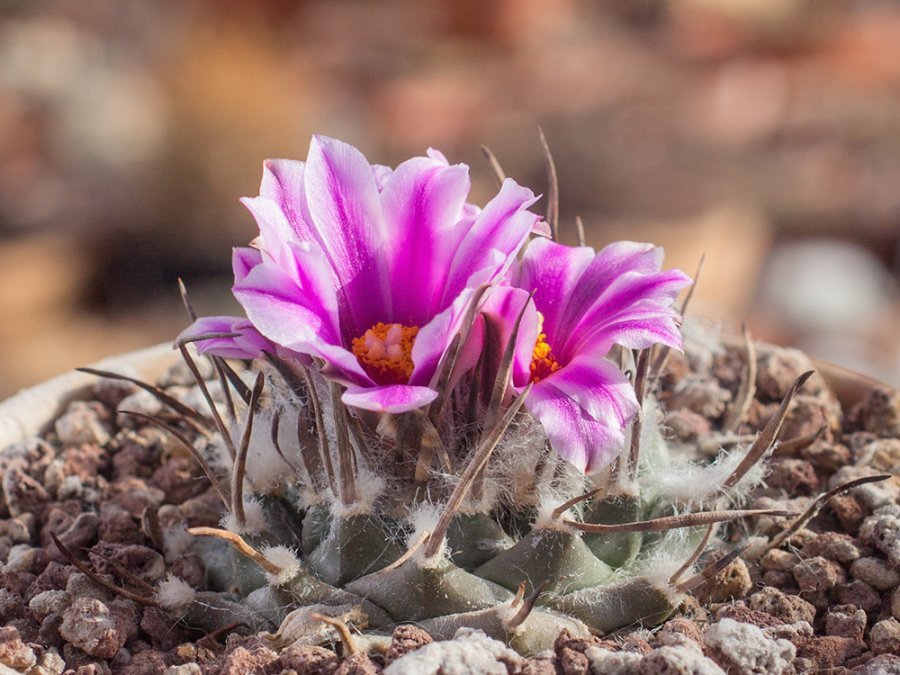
{"x": 460, "y": 512}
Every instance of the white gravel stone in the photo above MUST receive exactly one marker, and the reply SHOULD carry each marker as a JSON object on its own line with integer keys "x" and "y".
{"x": 748, "y": 649}
{"x": 470, "y": 652}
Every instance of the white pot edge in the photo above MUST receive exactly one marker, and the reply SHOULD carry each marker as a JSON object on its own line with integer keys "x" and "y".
{"x": 29, "y": 412}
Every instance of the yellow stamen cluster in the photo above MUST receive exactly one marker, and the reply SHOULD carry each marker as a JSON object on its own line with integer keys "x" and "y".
{"x": 385, "y": 352}
{"x": 543, "y": 362}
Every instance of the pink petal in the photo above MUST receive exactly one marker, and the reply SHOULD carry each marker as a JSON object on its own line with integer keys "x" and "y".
{"x": 422, "y": 203}
{"x": 636, "y": 310}
{"x": 243, "y": 260}
{"x": 435, "y": 337}
{"x": 397, "y": 398}
{"x": 249, "y": 344}
{"x": 552, "y": 271}
{"x": 345, "y": 207}
{"x": 281, "y": 310}
{"x": 599, "y": 388}
{"x": 283, "y": 184}
{"x": 493, "y": 241}
{"x": 501, "y": 308}
{"x": 574, "y": 434}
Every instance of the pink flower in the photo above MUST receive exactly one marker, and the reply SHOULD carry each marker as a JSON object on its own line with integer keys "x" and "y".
{"x": 370, "y": 270}
{"x": 583, "y": 304}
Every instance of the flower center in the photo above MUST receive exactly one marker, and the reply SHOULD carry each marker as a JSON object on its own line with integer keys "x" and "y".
{"x": 543, "y": 362}
{"x": 385, "y": 352}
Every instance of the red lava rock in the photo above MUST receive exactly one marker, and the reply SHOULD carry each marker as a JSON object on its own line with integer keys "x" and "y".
{"x": 357, "y": 664}
{"x": 191, "y": 569}
{"x": 701, "y": 396}
{"x": 84, "y": 461}
{"x": 788, "y": 608}
{"x": 80, "y": 534}
{"x": 539, "y": 666}
{"x": 309, "y": 660}
{"x": 827, "y": 457}
{"x": 146, "y": 662}
{"x": 181, "y": 479}
{"x": 139, "y": 560}
{"x": 682, "y": 627}
{"x": 164, "y": 631}
{"x": 849, "y": 512}
{"x": 406, "y": 639}
{"x": 860, "y": 594}
{"x": 830, "y": 651}
{"x": 96, "y": 628}
{"x": 250, "y": 655}
{"x": 13, "y": 652}
{"x": 885, "y": 637}
{"x": 778, "y": 560}
{"x": 731, "y": 583}
{"x": 118, "y": 526}
{"x": 134, "y": 494}
{"x": 876, "y": 572}
{"x": 778, "y": 367}
{"x": 834, "y": 546}
{"x": 54, "y": 577}
{"x": 23, "y": 494}
{"x": 818, "y": 574}
{"x": 794, "y": 476}
{"x": 782, "y": 580}
{"x": 686, "y": 425}
{"x": 740, "y": 612}
{"x": 138, "y": 453}
{"x": 846, "y": 621}
{"x": 572, "y": 662}
{"x": 880, "y": 413}
{"x": 83, "y": 422}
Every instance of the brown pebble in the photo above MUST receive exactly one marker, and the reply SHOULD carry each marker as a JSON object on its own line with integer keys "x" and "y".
{"x": 846, "y": 621}
{"x": 827, "y": 457}
{"x": 830, "y": 651}
{"x": 731, "y": 583}
{"x": 788, "y": 608}
{"x": 818, "y": 574}
{"x": 875, "y": 572}
{"x": 833, "y": 546}
{"x": 356, "y": 664}
{"x": 849, "y": 512}
{"x": 13, "y": 652}
{"x": 794, "y": 476}
{"x": 885, "y": 637}
{"x": 860, "y": 594}
{"x": 405, "y": 639}
{"x": 778, "y": 560}
{"x": 309, "y": 660}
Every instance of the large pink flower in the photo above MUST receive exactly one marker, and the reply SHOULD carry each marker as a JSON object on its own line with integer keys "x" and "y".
{"x": 584, "y": 303}
{"x": 370, "y": 270}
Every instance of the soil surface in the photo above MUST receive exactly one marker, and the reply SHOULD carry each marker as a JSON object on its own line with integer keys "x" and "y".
{"x": 826, "y": 599}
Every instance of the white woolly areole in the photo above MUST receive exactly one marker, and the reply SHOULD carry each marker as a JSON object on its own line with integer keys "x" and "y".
{"x": 369, "y": 487}
{"x": 266, "y": 470}
{"x": 174, "y": 593}
{"x": 284, "y": 558}
{"x": 424, "y": 518}
{"x": 254, "y": 519}
{"x": 548, "y": 503}
{"x": 176, "y": 541}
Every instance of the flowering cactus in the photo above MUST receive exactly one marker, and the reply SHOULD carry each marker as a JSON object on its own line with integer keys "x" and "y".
{"x": 425, "y": 423}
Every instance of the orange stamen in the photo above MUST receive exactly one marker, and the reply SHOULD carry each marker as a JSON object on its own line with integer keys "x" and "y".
{"x": 543, "y": 362}
{"x": 385, "y": 352}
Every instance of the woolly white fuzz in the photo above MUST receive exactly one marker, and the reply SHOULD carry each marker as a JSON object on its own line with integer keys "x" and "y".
{"x": 284, "y": 558}
{"x": 369, "y": 487}
{"x": 176, "y": 541}
{"x": 254, "y": 519}
{"x": 424, "y": 518}
{"x": 549, "y": 502}
{"x": 174, "y": 593}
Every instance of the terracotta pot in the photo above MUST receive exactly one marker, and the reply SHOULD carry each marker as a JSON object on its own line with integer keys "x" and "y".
{"x": 30, "y": 411}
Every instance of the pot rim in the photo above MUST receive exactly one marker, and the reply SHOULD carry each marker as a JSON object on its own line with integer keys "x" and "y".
{"x": 32, "y": 410}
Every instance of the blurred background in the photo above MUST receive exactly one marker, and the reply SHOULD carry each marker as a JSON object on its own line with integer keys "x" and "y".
{"x": 763, "y": 133}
